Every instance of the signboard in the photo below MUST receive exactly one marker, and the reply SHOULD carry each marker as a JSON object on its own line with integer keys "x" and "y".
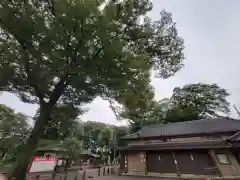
{"x": 41, "y": 164}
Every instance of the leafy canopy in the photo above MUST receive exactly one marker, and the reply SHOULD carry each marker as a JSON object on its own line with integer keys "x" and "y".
{"x": 63, "y": 122}
{"x": 191, "y": 102}
{"x": 13, "y": 132}
{"x": 73, "y": 147}
{"x": 72, "y": 51}
{"x": 201, "y": 100}
{"x": 101, "y": 138}
{"x": 12, "y": 123}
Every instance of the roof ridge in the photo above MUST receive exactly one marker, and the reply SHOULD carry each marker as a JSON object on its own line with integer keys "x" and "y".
{"x": 190, "y": 121}
{"x": 233, "y": 119}
{"x": 212, "y": 125}
{"x": 183, "y": 122}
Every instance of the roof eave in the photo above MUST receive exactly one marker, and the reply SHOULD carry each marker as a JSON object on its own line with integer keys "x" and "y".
{"x": 170, "y": 146}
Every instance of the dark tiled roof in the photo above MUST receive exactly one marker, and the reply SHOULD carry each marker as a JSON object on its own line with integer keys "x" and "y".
{"x": 54, "y": 147}
{"x": 197, "y": 127}
{"x": 173, "y": 145}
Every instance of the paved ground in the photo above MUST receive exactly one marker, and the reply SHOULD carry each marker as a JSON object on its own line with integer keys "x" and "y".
{"x": 126, "y": 178}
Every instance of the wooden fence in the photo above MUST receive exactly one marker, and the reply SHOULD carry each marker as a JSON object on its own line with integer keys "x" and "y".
{"x": 87, "y": 174}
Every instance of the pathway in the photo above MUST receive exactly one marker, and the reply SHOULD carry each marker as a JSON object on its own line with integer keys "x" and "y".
{"x": 127, "y": 178}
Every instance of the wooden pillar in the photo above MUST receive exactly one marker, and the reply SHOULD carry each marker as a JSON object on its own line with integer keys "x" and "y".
{"x": 126, "y": 162}
{"x": 145, "y": 162}
{"x": 215, "y": 161}
{"x": 176, "y": 163}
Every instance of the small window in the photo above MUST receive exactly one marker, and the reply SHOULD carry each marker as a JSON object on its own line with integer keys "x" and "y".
{"x": 223, "y": 159}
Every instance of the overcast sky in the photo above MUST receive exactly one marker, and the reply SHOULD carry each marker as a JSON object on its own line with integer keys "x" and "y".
{"x": 211, "y": 30}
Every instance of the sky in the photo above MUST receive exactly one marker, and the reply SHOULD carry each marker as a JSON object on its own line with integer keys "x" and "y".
{"x": 211, "y": 31}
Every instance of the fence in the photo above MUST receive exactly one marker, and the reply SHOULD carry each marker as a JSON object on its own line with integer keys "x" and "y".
{"x": 77, "y": 175}
{"x": 87, "y": 174}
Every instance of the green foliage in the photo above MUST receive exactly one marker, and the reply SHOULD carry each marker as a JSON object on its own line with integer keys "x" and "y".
{"x": 153, "y": 114}
{"x": 63, "y": 121}
{"x": 73, "y": 147}
{"x": 79, "y": 51}
{"x": 192, "y": 102}
{"x": 70, "y": 51}
{"x": 101, "y": 138}
{"x": 76, "y": 135}
{"x": 98, "y": 138}
{"x": 12, "y": 124}
{"x": 14, "y": 130}
{"x": 200, "y": 101}
{"x": 180, "y": 114}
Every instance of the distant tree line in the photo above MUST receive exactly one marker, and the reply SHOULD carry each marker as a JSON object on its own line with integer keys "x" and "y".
{"x": 66, "y": 127}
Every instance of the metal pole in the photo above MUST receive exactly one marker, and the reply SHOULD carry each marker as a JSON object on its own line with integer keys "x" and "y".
{"x": 237, "y": 110}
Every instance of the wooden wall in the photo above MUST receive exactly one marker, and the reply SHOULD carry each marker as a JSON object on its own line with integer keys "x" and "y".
{"x": 232, "y": 169}
{"x": 175, "y": 162}
{"x": 136, "y": 162}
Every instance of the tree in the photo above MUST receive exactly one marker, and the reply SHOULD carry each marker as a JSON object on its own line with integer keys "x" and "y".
{"x": 101, "y": 138}
{"x": 197, "y": 101}
{"x": 12, "y": 124}
{"x": 71, "y": 51}
{"x": 191, "y": 102}
{"x": 153, "y": 114}
{"x": 70, "y": 147}
{"x": 96, "y": 136}
{"x": 14, "y": 130}
{"x": 63, "y": 121}
{"x": 180, "y": 114}
{"x": 73, "y": 149}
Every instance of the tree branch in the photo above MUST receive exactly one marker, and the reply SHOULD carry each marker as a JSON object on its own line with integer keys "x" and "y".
{"x": 30, "y": 77}
{"x": 2, "y": 40}
{"x": 114, "y": 110}
{"x": 98, "y": 52}
{"x": 100, "y": 49}
{"x": 31, "y": 81}
{"x": 58, "y": 90}
{"x": 51, "y": 6}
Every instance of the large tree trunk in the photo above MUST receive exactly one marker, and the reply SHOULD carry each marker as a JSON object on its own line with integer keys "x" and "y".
{"x": 27, "y": 152}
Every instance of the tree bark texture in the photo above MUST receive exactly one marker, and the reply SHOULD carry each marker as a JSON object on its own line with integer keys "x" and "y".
{"x": 24, "y": 157}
